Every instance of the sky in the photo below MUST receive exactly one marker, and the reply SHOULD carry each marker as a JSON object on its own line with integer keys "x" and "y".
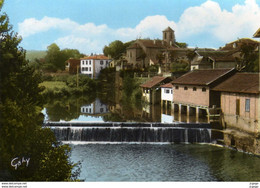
{"x": 89, "y": 25}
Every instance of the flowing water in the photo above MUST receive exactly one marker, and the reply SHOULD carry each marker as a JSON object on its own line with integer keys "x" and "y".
{"x": 164, "y": 162}
{"x": 144, "y": 154}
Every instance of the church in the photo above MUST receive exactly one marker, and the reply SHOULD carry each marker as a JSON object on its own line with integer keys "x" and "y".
{"x": 146, "y": 52}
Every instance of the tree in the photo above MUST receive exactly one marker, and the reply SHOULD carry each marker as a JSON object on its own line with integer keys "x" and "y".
{"x": 54, "y": 60}
{"x": 21, "y": 135}
{"x": 248, "y": 59}
{"x": 116, "y": 48}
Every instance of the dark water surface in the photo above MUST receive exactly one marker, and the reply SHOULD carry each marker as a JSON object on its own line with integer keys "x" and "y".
{"x": 168, "y": 162}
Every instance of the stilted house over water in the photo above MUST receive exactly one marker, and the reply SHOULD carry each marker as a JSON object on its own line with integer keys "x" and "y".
{"x": 193, "y": 91}
{"x": 151, "y": 91}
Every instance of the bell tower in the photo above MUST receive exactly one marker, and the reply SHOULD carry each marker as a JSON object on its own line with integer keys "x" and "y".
{"x": 169, "y": 36}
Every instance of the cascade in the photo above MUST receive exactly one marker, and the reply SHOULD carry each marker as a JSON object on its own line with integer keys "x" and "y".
{"x": 133, "y": 134}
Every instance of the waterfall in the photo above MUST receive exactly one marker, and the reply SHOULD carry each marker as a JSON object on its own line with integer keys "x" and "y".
{"x": 133, "y": 134}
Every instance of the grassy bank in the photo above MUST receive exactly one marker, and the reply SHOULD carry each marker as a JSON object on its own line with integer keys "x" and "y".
{"x": 67, "y": 85}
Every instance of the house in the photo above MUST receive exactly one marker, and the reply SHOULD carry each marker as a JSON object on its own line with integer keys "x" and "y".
{"x": 194, "y": 89}
{"x": 71, "y": 65}
{"x": 92, "y": 65}
{"x": 145, "y": 52}
{"x": 213, "y": 60}
{"x": 151, "y": 91}
{"x": 167, "y": 93}
{"x": 239, "y": 101}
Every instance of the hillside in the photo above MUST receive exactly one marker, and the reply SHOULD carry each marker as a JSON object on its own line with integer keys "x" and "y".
{"x": 32, "y": 54}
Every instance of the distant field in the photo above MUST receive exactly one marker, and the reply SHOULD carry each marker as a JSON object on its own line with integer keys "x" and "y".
{"x": 32, "y": 54}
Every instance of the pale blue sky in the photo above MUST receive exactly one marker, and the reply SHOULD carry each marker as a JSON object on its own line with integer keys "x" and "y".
{"x": 88, "y": 25}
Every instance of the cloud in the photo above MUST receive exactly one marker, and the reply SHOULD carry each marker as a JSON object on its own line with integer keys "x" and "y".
{"x": 242, "y": 21}
{"x": 207, "y": 19}
{"x": 33, "y": 26}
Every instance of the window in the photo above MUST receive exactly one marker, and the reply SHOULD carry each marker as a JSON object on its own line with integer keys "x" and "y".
{"x": 247, "y": 105}
{"x": 185, "y": 88}
{"x": 86, "y": 62}
{"x": 165, "y": 35}
{"x": 90, "y": 110}
{"x": 89, "y": 62}
{"x": 204, "y": 89}
{"x": 107, "y": 63}
{"x": 83, "y": 110}
{"x": 89, "y": 68}
{"x": 171, "y": 91}
{"x": 167, "y": 91}
{"x": 176, "y": 87}
{"x": 83, "y": 62}
{"x": 82, "y": 69}
{"x": 101, "y": 110}
{"x": 87, "y": 110}
{"x": 86, "y": 68}
{"x": 194, "y": 89}
{"x": 101, "y": 62}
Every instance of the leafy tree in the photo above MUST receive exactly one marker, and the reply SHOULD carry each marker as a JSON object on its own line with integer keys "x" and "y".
{"x": 21, "y": 134}
{"x": 54, "y": 58}
{"x": 116, "y": 48}
{"x": 248, "y": 59}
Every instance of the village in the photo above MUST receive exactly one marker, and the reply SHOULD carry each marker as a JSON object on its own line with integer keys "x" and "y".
{"x": 130, "y": 91}
{"x": 213, "y": 86}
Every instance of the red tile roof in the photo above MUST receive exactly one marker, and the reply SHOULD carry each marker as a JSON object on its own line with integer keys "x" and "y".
{"x": 202, "y": 77}
{"x": 98, "y": 57}
{"x": 168, "y": 85}
{"x": 240, "y": 83}
{"x": 156, "y": 80}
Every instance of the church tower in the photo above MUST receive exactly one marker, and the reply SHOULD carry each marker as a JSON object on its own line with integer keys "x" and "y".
{"x": 169, "y": 36}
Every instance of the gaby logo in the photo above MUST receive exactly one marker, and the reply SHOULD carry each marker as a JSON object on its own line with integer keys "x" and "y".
{"x": 16, "y": 162}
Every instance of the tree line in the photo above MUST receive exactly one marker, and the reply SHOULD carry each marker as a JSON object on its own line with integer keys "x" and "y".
{"x": 28, "y": 152}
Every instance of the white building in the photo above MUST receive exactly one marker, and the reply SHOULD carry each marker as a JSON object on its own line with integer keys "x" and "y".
{"x": 167, "y": 92}
{"x": 92, "y": 65}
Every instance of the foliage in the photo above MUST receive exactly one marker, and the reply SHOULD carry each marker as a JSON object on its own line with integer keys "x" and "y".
{"x": 248, "y": 59}
{"x": 179, "y": 67}
{"x": 21, "y": 134}
{"x": 54, "y": 58}
{"x": 182, "y": 44}
{"x": 116, "y": 48}
{"x": 66, "y": 85}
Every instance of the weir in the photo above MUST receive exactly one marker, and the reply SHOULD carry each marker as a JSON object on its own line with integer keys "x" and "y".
{"x": 131, "y": 132}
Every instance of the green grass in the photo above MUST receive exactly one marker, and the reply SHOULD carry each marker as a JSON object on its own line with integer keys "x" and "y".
{"x": 53, "y": 85}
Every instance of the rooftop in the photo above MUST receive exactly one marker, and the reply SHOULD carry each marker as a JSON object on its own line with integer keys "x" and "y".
{"x": 257, "y": 33}
{"x": 98, "y": 57}
{"x": 240, "y": 83}
{"x": 155, "y": 81}
{"x": 168, "y": 85}
{"x": 168, "y": 29}
{"x": 202, "y": 77}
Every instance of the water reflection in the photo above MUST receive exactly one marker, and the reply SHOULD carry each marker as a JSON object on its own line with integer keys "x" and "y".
{"x": 87, "y": 108}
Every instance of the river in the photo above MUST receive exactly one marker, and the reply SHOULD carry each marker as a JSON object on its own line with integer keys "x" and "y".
{"x": 116, "y": 161}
